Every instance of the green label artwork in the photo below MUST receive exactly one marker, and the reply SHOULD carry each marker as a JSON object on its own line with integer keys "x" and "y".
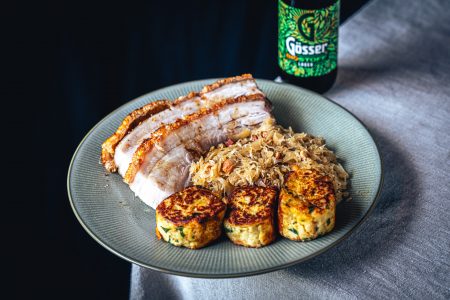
{"x": 307, "y": 40}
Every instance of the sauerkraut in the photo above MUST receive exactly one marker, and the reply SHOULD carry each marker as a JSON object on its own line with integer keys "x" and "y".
{"x": 263, "y": 158}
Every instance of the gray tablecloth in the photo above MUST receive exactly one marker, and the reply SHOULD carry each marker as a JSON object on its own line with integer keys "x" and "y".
{"x": 394, "y": 74}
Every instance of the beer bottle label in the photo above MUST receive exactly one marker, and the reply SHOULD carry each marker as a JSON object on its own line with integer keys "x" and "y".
{"x": 307, "y": 39}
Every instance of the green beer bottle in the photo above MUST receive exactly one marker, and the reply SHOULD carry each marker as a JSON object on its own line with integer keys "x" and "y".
{"x": 307, "y": 42}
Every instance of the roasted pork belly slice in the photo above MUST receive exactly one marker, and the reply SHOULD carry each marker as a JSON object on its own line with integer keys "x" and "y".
{"x": 233, "y": 87}
{"x": 169, "y": 175}
{"x": 126, "y": 148}
{"x": 130, "y": 122}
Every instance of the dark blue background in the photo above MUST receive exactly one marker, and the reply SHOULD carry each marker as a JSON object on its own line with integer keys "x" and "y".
{"x": 74, "y": 63}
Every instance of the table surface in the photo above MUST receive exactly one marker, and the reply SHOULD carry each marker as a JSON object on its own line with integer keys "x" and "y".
{"x": 394, "y": 74}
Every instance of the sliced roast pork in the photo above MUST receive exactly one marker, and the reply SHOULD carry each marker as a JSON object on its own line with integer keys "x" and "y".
{"x": 130, "y": 122}
{"x": 118, "y": 150}
{"x": 153, "y": 148}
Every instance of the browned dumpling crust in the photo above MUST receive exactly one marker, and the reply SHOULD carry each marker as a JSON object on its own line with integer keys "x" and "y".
{"x": 306, "y": 206}
{"x": 250, "y": 220}
{"x": 191, "y": 218}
